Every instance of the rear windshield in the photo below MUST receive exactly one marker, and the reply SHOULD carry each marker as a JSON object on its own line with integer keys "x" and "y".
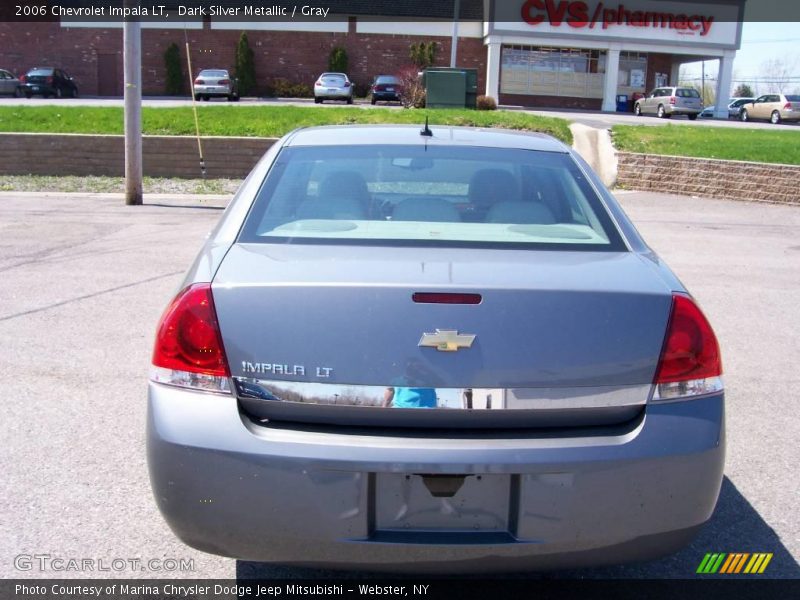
{"x": 332, "y": 79}
{"x": 40, "y": 72}
{"x": 214, "y": 73}
{"x": 434, "y": 196}
{"x": 386, "y": 79}
{"x": 793, "y": 98}
{"x": 687, "y": 93}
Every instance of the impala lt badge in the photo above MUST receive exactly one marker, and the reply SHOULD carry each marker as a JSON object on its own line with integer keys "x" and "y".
{"x": 446, "y": 340}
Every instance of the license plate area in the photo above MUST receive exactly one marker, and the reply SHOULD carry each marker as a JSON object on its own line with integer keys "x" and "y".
{"x": 435, "y": 503}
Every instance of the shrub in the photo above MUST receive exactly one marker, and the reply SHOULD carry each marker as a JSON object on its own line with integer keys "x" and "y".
{"x": 338, "y": 61}
{"x": 486, "y": 103}
{"x": 361, "y": 90}
{"x": 283, "y": 88}
{"x": 176, "y": 84}
{"x": 413, "y": 94}
{"x": 244, "y": 66}
{"x": 423, "y": 54}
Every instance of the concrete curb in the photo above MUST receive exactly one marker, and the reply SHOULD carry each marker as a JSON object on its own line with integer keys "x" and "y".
{"x": 595, "y": 147}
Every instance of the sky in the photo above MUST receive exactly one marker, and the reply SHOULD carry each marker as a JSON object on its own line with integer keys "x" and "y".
{"x": 760, "y": 42}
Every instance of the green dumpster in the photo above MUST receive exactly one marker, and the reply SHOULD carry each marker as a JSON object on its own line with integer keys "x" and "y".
{"x": 451, "y": 87}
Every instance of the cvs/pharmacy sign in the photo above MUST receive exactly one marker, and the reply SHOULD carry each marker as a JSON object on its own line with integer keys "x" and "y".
{"x": 579, "y": 14}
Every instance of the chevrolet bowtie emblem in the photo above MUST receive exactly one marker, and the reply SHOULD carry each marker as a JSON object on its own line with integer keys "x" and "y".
{"x": 446, "y": 340}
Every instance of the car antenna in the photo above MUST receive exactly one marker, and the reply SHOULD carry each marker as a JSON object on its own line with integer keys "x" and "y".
{"x": 426, "y": 131}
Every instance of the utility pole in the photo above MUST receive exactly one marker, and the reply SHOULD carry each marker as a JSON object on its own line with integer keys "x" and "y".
{"x": 703, "y": 83}
{"x": 454, "y": 44}
{"x": 132, "y": 58}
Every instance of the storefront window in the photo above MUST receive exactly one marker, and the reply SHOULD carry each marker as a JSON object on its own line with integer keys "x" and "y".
{"x": 632, "y": 73}
{"x": 534, "y": 70}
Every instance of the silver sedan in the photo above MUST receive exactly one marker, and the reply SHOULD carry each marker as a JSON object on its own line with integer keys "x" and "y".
{"x": 215, "y": 83}
{"x": 439, "y": 350}
{"x": 10, "y": 84}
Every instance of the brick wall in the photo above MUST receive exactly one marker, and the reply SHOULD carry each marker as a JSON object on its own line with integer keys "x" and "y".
{"x": 299, "y": 57}
{"x": 162, "y": 156}
{"x": 729, "y": 179}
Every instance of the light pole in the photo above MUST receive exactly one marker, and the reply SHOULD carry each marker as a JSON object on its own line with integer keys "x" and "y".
{"x": 132, "y": 58}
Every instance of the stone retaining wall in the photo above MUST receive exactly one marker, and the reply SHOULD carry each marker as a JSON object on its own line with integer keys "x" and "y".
{"x": 162, "y": 156}
{"x": 731, "y": 179}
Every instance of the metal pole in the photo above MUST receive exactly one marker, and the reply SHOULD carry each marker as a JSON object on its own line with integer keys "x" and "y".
{"x": 703, "y": 85}
{"x": 133, "y": 111}
{"x": 454, "y": 44}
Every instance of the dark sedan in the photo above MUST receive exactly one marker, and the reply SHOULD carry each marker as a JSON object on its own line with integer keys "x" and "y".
{"x": 386, "y": 88}
{"x": 48, "y": 81}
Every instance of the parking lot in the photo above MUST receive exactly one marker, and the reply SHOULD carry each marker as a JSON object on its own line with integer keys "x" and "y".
{"x": 85, "y": 279}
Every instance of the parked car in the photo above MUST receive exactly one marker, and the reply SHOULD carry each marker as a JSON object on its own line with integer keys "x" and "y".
{"x": 10, "y": 84}
{"x": 216, "y": 83}
{"x": 774, "y": 107}
{"x": 667, "y": 101}
{"x": 736, "y": 106}
{"x": 438, "y": 350}
{"x": 333, "y": 86}
{"x": 708, "y": 112}
{"x": 48, "y": 81}
{"x": 733, "y": 105}
{"x": 385, "y": 88}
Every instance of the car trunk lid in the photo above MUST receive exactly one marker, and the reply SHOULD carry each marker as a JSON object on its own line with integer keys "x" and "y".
{"x": 345, "y": 316}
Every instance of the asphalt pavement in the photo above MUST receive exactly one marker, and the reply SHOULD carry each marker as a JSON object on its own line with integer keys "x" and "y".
{"x": 85, "y": 278}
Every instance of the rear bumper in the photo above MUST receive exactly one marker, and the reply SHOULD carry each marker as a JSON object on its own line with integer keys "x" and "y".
{"x": 681, "y": 110}
{"x": 215, "y": 90}
{"x": 38, "y": 89}
{"x": 257, "y": 493}
{"x": 386, "y": 96}
{"x": 339, "y": 95}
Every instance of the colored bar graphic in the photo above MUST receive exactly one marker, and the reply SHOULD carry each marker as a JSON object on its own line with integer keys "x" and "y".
{"x": 733, "y": 563}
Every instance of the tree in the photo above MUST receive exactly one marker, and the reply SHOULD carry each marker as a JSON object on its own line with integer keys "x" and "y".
{"x": 743, "y": 90}
{"x": 244, "y": 66}
{"x": 175, "y": 85}
{"x": 338, "y": 61}
{"x": 777, "y": 74}
{"x": 423, "y": 54}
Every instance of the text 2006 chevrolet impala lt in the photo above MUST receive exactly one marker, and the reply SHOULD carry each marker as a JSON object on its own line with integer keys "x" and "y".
{"x": 439, "y": 350}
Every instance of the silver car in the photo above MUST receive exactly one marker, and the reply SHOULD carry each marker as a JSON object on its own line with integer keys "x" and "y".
{"x": 440, "y": 350}
{"x": 215, "y": 83}
{"x": 10, "y": 84}
{"x": 667, "y": 101}
{"x": 333, "y": 86}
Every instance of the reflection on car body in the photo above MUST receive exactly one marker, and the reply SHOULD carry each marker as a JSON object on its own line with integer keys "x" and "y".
{"x": 441, "y": 352}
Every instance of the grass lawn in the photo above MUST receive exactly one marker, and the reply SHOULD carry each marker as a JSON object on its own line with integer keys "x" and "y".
{"x": 732, "y": 143}
{"x": 256, "y": 121}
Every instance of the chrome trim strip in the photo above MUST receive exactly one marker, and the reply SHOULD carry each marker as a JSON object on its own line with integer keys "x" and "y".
{"x": 470, "y": 399}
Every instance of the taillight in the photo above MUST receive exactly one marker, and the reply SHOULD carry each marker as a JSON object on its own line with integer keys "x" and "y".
{"x": 23, "y": 78}
{"x": 347, "y": 84}
{"x": 318, "y": 84}
{"x": 188, "y": 350}
{"x": 224, "y": 81}
{"x": 690, "y": 363}
{"x": 672, "y": 99}
{"x": 199, "y": 82}
{"x": 49, "y": 80}
{"x": 787, "y": 106}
